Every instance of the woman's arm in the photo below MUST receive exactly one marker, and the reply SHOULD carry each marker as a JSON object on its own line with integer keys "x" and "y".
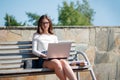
{"x": 35, "y": 46}
{"x": 56, "y": 39}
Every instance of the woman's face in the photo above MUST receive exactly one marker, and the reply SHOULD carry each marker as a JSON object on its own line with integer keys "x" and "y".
{"x": 45, "y": 24}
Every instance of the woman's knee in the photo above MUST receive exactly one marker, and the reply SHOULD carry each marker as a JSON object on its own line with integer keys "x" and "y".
{"x": 57, "y": 64}
{"x": 64, "y": 62}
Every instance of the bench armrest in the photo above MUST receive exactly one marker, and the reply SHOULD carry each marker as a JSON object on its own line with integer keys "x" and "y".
{"x": 84, "y": 56}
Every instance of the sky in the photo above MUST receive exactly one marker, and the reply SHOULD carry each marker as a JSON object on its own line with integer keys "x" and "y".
{"x": 106, "y": 11}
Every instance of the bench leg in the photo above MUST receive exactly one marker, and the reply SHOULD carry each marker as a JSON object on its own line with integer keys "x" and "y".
{"x": 92, "y": 74}
{"x": 86, "y": 58}
{"x": 78, "y": 75}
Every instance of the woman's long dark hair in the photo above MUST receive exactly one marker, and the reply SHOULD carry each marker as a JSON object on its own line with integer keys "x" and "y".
{"x": 40, "y": 29}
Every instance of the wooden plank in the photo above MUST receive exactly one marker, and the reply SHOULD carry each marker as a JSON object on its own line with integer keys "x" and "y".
{"x": 72, "y": 49}
{"x": 26, "y": 58}
{"x": 15, "y": 51}
{"x": 6, "y": 47}
{"x": 5, "y": 64}
{"x": 72, "y": 53}
{"x": 71, "y": 58}
{"x": 10, "y": 61}
{"x": 17, "y": 60}
{"x": 40, "y": 70}
{"x": 12, "y": 69}
{"x": 7, "y": 57}
{"x": 16, "y": 43}
{"x": 18, "y": 51}
{"x": 16, "y": 56}
{"x": 28, "y": 52}
{"x": 8, "y": 66}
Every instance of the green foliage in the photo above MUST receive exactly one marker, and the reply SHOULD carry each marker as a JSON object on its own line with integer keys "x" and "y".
{"x": 11, "y": 21}
{"x": 75, "y": 14}
{"x": 33, "y": 18}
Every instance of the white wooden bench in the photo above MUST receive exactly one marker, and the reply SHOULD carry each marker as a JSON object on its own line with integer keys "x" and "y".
{"x": 16, "y": 59}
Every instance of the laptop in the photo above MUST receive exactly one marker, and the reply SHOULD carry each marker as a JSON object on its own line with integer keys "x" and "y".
{"x": 59, "y": 50}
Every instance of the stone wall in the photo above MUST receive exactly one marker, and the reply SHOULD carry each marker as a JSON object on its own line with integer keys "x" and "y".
{"x": 102, "y": 45}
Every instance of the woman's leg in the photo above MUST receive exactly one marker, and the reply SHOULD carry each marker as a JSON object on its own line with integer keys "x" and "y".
{"x": 55, "y": 64}
{"x": 68, "y": 70}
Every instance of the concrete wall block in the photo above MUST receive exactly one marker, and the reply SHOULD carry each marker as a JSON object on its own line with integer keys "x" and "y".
{"x": 10, "y": 35}
{"x": 110, "y": 39}
{"x": 101, "y": 40}
{"x": 116, "y": 30}
{"x": 117, "y": 40}
{"x": 105, "y": 71}
{"x": 101, "y": 57}
{"x": 92, "y": 37}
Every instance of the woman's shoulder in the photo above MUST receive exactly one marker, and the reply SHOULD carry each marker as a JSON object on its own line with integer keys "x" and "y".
{"x": 36, "y": 35}
{"x": 53, "y": 35}
{"x": 55, "y": 38}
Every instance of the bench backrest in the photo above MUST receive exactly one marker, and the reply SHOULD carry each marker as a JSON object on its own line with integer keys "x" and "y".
{"x": 14, "y": 54}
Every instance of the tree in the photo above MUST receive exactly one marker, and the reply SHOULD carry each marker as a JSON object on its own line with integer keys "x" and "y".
{"x": 11, "y": 21}
{"x": 33, "y": 18}
{"x": 71, "y": 14}
{"x": 86, "y": 11}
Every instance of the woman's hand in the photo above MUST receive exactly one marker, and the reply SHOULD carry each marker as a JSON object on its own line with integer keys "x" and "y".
{"x": 43, "y": 55}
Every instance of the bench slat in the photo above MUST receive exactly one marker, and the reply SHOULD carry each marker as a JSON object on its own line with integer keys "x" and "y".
{"x": 17, "y": 60}
{"x": 9, "y": 66}
{"x": 41, "y": 70}
{"x": 10, "y": 61}
{"x": 16, "y": 56}
{"x": 23, "y": 52}
{"x": 16, "y": 43}
{"x": 10, "y": 57}
{"x": 15, "y": 51}
{"x": 6, "y": 47}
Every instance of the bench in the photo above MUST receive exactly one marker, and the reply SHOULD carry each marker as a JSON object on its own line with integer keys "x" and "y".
{"x": 16, "y": 59}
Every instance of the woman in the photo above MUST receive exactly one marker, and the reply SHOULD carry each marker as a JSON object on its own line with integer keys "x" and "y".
{"x": 41, "y": 39}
